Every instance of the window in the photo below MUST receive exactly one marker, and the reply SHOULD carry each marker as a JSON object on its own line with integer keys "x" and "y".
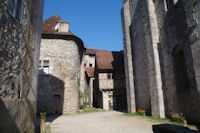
{"x": 110, "y": 76}
{"x": 43, "y": 68}
{"x": 15, "y": 8}
{"x": 90, "y": 65}
{"x": 46, "y": 63}
{"x": 56, "y": 98}
{"x": 46, "y": 69}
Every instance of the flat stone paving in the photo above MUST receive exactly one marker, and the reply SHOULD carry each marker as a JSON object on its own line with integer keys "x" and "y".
{"x": 101, "y": 122}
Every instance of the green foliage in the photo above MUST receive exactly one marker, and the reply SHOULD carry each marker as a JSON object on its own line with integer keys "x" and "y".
{"x": 87, "y": 110}
{"x": 42, "y": 115}
{"x": 178, "y": 117}
{"x": 157, "y": 119}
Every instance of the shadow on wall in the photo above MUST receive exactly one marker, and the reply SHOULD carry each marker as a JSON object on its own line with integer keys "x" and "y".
{"x": 7, "y": 123}
{"x": 119, "y": 85}
{"x": 168, "y": 128}
{"x": 50, "y": 96}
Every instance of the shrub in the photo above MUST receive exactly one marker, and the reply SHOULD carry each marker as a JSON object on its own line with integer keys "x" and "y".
{"x": 179, "y": 117}
{"x": 141, "y": 112}
{"x": 43, "y": 115}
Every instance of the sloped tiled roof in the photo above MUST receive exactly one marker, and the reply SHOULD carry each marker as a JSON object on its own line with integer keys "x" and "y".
{"x": 48, "y": 25}
{"x": 48, "y": 30}
{"x": 94, "y": 51}
{"x": 107, "y": 60}
{"x": 90, "y": 71}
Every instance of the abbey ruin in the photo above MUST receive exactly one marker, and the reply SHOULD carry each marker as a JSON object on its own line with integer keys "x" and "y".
{"x": 161, "y": 49}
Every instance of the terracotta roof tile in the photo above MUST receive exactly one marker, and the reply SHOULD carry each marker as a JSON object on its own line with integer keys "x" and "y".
{"x": 94, "y": 51}
{"x": 48, "y": 25}
{"x": 110, "y": 60}
{"x": 90, "y": 71}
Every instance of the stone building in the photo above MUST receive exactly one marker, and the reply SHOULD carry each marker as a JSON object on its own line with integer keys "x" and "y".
{"x": 61, "y": 56}
{"x": 162, "y": 52}
{"x": 86, "y": 93}
{"x": 20, "y": 30}
{"x": 110, "y": 88}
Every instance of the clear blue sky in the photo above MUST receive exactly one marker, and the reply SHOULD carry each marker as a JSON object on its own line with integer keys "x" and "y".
{"x": 96, "y": 22}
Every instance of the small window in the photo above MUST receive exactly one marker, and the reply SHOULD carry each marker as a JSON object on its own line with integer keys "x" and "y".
{"x": 46, "y": 63}
{"x": 90, "y": 65}
{"x": 15, "y": 8}
{"x": 110, "y": 76}
{"x": 46, "y": 69}
{"x": 56, "y": 98}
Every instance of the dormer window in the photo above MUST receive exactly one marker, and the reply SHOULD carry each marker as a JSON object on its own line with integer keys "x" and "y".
{"x": 62, "y": 27}
{"x": 15, "y": 8}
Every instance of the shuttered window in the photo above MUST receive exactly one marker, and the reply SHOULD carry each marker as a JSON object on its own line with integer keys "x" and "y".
{"x": 15, "y": 8}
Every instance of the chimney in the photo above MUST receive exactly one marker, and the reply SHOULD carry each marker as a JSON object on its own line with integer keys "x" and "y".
{"x": 62, "y": 26}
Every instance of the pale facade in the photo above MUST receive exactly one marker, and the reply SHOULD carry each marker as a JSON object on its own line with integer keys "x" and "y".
{"x": 59, "y": 84}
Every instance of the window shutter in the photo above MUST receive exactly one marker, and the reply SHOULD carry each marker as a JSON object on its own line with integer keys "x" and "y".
{"x": 19, "y": 10}
{"x": 11, "y": 6}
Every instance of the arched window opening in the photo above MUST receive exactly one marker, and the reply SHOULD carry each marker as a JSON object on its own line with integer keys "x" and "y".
{"x": 180, "y": 70}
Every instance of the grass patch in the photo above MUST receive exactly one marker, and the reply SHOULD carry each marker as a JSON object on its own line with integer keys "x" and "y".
{"x": 88, "y": 110}
{"x": 156, "y": 119}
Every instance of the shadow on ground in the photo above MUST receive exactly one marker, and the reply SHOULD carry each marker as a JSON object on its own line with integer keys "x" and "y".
{"x": 168, "y": 128}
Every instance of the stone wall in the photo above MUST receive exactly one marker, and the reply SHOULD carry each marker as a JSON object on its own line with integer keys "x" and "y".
{"x": 164, "y": 42}
{"x": 19, "y": 54}
{"x": 64, "y": 58}
{"x": 128, "y": 64}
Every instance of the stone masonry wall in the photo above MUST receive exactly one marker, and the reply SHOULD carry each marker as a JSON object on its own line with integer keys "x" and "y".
{"x": 176, "y": 31}
{"x": 165, "y": 40}
{"x": 138, "y": 30}
{"x": 128, "y": 64}
{"x": 64, "y": 68}
{"x": 18, "y": 67}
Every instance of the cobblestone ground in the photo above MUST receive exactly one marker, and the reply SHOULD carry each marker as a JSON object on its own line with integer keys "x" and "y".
{"x": 101, "y": 122}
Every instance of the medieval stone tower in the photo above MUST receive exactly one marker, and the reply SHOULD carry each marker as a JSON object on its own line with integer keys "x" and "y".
{"x": 161, "y": 48}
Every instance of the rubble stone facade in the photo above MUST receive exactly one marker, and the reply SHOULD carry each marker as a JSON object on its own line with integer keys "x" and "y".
{"x": 61, "y": 54}
{"x": 20, "y": 33}
{"x": 164, "y": 40}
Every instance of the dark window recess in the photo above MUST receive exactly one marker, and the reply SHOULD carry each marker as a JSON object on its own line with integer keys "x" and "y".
{"x": 180, "y": 69}
{"x": 170, "y": 3}
{"x": 90, "y": 65}
{"x": 16, "y": 8}
{"x": 56, "y": 98}
{"x": 109, "y": 76}
{"x": 46, "y": 63}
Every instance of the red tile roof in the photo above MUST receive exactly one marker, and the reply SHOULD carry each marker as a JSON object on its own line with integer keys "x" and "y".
{"x": 94, "y": 51}
{"x": 110, "y": 60}
{"x": 48, "y": 30}
{"x": 48, "y": 25}
{"x": 90, "y": 71}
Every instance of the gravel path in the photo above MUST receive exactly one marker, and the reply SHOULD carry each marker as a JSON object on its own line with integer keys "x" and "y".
{"x": 101, "y": 122}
